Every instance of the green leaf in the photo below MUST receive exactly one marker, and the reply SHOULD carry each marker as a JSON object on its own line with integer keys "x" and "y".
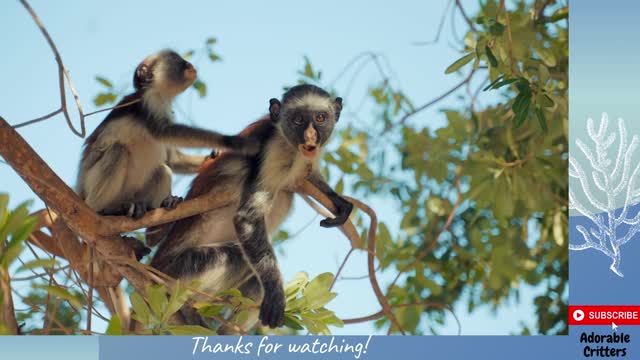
{"x": 502, "y": 83}
{"x": 211, "y": 41}
{"x": 142, "y": 312}
{"x": 115, "y": 326}
{"x": 492, "y": 59}
{"x": 214, "y": 57}
{"x": 104, "y": 98}
{"x": 62, "y": 293}
{"x": 104, "y": 82}
{"x": 200, "y": 87}
{"x": 460, "y": 63}
{"x": 292, "y": 322}
{"x": 188, "y": 54}
{"x": 43, "y": 263}
{"x": 295, "y": 285}
{"x": 541, "y": 119}
{"x": 493, "y": 83}
{"x": 496, "y": 29}
{"x": 521, "y": 108}
{"x": 157, "y": 296}
{"x": 190, "y": 330}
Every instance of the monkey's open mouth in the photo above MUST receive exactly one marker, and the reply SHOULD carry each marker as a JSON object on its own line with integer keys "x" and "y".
{"x": 308, "y": 151}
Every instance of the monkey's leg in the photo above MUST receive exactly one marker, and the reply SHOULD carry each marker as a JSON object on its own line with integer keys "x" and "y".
{"x": 105, "y": 181}
{"x": 250, "y": 289}
{"x": 252, "y": 232}
{"x": 343, "y": 206}
{"x": 157, "y": 193}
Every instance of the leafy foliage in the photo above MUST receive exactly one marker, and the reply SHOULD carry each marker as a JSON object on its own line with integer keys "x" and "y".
{"x": 305, "y": 308}
{"x": 500, "y": 169}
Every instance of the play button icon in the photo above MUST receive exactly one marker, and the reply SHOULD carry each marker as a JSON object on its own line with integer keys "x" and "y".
{"x": 578, "y": 315}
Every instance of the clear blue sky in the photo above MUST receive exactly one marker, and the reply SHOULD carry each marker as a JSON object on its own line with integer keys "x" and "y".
{"x": 262, "y": 45}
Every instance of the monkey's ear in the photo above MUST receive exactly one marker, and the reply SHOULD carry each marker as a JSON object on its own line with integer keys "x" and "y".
{"x": 143, "y": 76}
{"x": 274, "y": 109}
{"x": 337, "y": 104}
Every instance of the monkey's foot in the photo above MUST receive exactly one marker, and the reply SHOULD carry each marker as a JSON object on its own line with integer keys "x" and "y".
{"x": 138, "y": 247}
{"x": 272, "y": 308}
{"x": 171, "y": 202}
{"x": 138, "y": 209}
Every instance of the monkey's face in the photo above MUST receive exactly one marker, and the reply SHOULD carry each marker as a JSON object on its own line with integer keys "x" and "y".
{"x": 167, "y": 72}
{"x": 308, "y": 128}
{"x": 306, "y": 117}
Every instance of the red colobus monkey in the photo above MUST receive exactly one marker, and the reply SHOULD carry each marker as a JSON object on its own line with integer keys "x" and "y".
{"x": 127, "y": 162}
{"x": 231, "y": 247}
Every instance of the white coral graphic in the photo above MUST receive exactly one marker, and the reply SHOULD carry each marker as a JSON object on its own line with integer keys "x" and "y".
{"x": 611, "y": 180}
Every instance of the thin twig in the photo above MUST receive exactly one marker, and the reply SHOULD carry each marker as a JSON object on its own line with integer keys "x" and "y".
{"x": 344, "y": 262}
{"x": 113, "y": 107}
{"x": 432, "y": 102}
{"x": 466, "y": 18}
{"x": 509, "y": 37}
{"x": 443, "y": 18}
{"x": 62, "y": 73}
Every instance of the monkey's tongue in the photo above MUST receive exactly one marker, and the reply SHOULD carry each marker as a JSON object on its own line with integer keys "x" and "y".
{"x": 308, "y": 151}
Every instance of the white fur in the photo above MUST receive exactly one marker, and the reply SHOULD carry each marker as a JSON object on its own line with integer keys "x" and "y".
{"x": 312, "y": 101}
{"x": 144, "y": 155}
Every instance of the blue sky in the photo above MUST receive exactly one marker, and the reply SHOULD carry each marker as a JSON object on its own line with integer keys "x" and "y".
{"x": 262, "y": 45}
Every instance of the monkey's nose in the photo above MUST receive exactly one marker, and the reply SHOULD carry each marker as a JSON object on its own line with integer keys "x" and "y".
{"x": 190, "y": 72}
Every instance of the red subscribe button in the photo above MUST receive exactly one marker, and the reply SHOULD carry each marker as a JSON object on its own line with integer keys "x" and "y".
{"x": 604, "y": 314}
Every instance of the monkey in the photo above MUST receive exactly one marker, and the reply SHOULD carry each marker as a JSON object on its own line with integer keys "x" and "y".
{"x": 231, "y": 246}
{"x": 128, "y": 161}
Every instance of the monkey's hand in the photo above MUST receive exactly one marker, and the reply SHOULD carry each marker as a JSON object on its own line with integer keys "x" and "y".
{"x": 171, "y": 202}
{"x": 242, "y": 145}
{"x": 272, "y": 307}
{"x": 342, "y": 215}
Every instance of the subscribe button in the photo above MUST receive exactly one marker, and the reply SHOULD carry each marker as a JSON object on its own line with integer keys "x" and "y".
{"x": 604, "y": 314}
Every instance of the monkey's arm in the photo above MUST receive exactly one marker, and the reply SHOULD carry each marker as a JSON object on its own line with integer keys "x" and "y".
{"x": 252, "y": 232}
{"x": 343, "y": 206}
{"x": 187, "y": 136}
{"x": 182, "y": 163}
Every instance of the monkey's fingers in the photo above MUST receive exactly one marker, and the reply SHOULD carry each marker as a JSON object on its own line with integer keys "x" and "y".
{"x": 272, "y": 310}
{"x": 337, "y": 221}
{"x": 171, "y": 202}
{"x": 139, "y": 209}
{"x": 344, "y": 211}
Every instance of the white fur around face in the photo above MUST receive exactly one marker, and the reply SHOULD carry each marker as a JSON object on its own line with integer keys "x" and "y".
{"x": 314, "y": 102}
{"x": 159, "y": 102}
{"x": 284, "y": 166}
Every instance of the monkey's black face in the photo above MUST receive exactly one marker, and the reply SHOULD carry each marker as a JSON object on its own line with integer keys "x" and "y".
{"x": 308, "y": 129}
{"x": 306, "y": 117}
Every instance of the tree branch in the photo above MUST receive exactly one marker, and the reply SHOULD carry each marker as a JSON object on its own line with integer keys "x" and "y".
{"x": 62, "y": 73}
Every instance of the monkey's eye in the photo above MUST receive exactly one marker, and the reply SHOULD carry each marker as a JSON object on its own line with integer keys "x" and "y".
{"x": 297, "y": 119}
{"x": 321, "y": 117}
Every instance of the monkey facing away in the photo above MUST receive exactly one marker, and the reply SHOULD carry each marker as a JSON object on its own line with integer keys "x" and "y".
{"x": 127, "y": 162}
{"x": 231, "y": 246}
